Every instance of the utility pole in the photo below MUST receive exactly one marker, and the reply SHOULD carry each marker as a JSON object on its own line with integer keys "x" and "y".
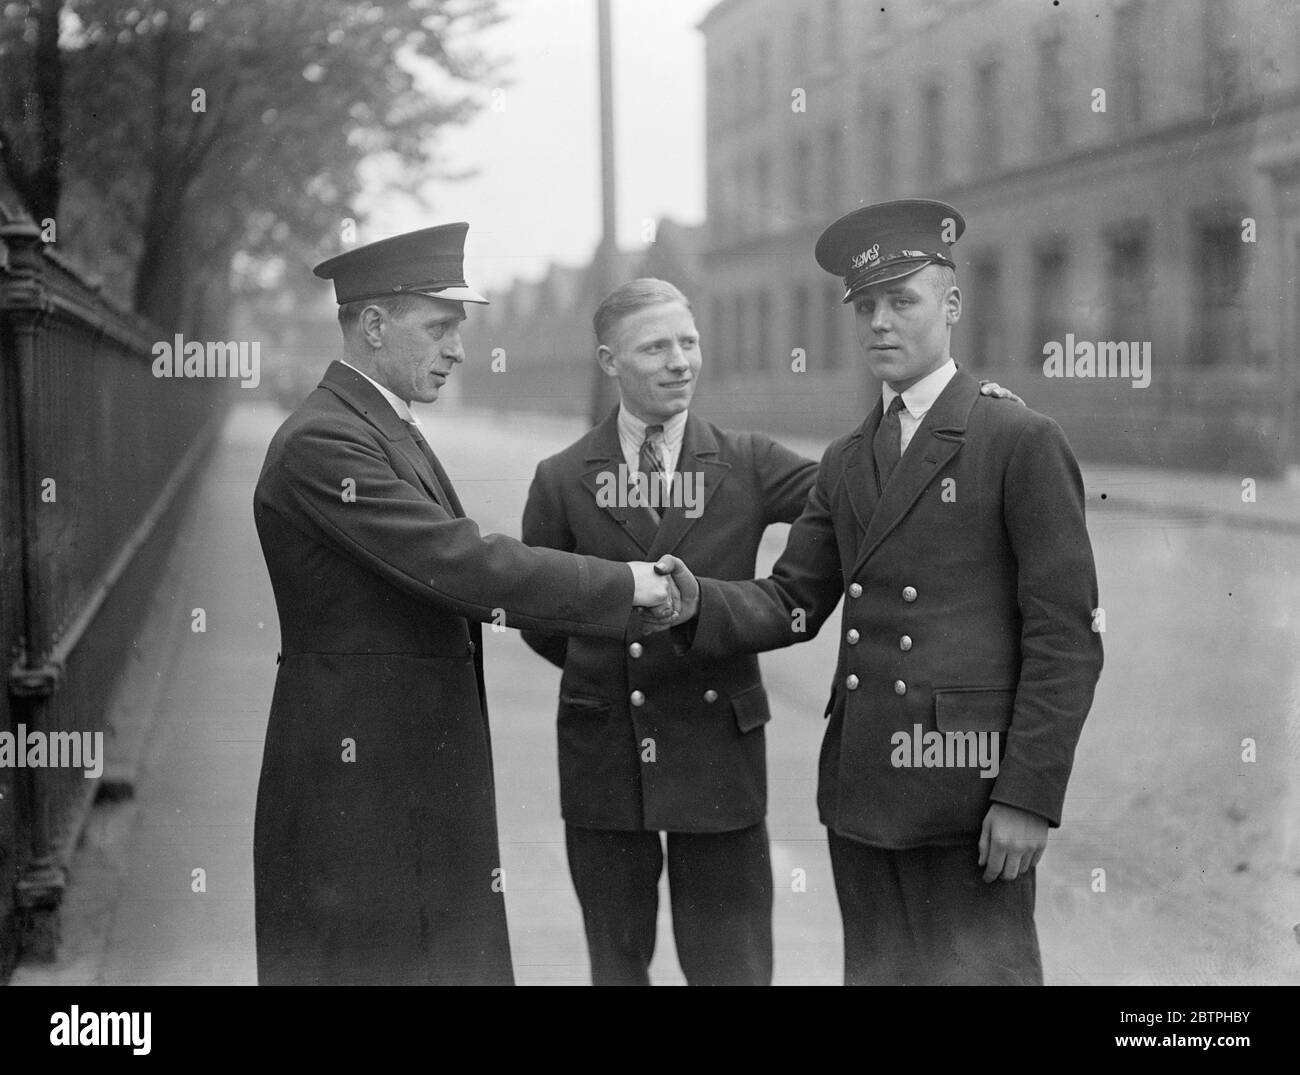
{"x": 602, "y": 387}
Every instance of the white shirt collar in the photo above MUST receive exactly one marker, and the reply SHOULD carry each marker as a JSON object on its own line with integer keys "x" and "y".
{"x": 630, "y": 427}
{"x": 920, "y": 397}
{"x": 398, "y": 404}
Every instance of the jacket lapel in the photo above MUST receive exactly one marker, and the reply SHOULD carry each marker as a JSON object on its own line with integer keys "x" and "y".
{"x": 939, "y": 437}
{"x": 359, "y": 394}
{"x": 601, "y": 477}
{"x": 860, "y": 468}
{"x": 699, "y": 455}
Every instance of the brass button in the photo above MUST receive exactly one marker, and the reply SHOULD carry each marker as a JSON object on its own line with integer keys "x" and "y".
{"x": 855, "y": 589}
{"x": 472, "y": 649}
{"x": 710, "y": 696}
{"x": 853, "y": 636}
{"x": 638, "y": 698}
{"x": 851, "y": 683}
{"x": 900, "y": 687}
{"x": 636, "y": 649}
{"x": 905, "y": 643}
{"x": 909, "y": 593}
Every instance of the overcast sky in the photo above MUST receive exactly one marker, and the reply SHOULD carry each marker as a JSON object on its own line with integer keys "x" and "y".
{"x": 536, "y": 195}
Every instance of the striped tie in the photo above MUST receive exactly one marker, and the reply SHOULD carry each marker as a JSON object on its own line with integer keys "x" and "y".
{"x": 650, "y": 461}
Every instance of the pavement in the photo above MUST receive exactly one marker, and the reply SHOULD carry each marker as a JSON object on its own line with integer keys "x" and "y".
{"x": 161, "y": 885}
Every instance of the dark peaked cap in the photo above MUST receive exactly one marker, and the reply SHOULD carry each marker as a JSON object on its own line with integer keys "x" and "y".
{"x": 888, "y": 241}
{"x": 430, "y": 261}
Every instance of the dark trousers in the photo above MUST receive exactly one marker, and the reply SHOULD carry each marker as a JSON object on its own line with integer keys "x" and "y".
{"x": 720, "y": 885}
{"x": 924, "y": 917}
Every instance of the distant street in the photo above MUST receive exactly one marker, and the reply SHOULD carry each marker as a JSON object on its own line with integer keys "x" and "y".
{"x": 1202, "y": 636}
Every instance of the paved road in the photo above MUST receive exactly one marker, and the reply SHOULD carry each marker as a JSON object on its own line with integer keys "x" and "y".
{"x": 1201, "y": 653}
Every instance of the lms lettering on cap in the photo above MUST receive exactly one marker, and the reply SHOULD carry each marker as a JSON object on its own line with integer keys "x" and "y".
{"x": 880, "y": 243}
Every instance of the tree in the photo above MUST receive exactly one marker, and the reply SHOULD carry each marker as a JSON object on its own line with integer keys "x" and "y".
{"x": 213, "y": 126}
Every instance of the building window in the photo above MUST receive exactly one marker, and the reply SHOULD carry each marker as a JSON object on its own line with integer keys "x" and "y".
{"x": 799, "y": 321}
{"x": 884, "y": 153}
{"x": 1222, "y": 332}
{"x": 763, "y": 333}
{"x": 932, "y": 162}
{"x": 1051, "y": 95}
{"x": 1223, "y": 67}
{"x": 739, "y": 344}
{"x": 988, "y": 119}
{"x": 799, "y": 183}
{"x": 832, "y": 30}
{"x": 1127, "y": 100}
{"x": 1128, "y": 273}
{"x": 740, "y": 87}
{"x": 801, "y": 44}
{"x": 834, "y": 165}
{"x": 1051, "y": 297}
{"x": 762, "y": 73}
{"x": 717, "y": 331}
{"x": 988, "y": 342}
{"x": 833, "y": 318}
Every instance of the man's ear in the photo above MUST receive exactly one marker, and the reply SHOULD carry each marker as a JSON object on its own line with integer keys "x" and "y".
{"x": 371, "y": 326}
{"x": 952, "y": 305}
{"x": 605, "y": 360}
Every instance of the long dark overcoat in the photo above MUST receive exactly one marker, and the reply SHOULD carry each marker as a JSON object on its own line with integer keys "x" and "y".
{"x": 375, "y": 846}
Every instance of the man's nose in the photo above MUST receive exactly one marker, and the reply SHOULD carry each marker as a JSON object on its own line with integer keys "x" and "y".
{"x": 452, "y": 347}
{"x": 677, "y": 358}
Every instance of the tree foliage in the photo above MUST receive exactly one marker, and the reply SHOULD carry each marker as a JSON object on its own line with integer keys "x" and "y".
{"x": 199, "y": 128}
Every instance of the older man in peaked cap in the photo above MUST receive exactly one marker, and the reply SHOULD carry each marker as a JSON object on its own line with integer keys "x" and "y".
{"x": 952, "y": 525}
{"x": 375, "y": 845}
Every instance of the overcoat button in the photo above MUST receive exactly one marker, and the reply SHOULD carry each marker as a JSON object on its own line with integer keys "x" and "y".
{"x": 855, "y": 590}
{"x": 851, "y": 683}
{"x": 900, "y": 687}
{"x": 905, "y": 643}
{"x": 853, "y": 636}
{"x": 909, "y": 593}
{"x": 638, "y": 698}
{"x": 710, "y": 696}
{"x": 636, "y": 649}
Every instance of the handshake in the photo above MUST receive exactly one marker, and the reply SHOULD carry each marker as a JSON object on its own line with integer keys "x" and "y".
{"x": 666, "y": 592}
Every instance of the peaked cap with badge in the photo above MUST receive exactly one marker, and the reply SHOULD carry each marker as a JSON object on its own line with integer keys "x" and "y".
{"x": 888, "y": 241}
{"x": 430, "y": 261}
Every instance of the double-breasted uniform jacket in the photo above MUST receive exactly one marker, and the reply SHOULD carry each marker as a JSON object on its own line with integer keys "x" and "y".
{"x": 375, "y": 846}
{"x": 968, "y": 590}
{"x": 649, "y": 739}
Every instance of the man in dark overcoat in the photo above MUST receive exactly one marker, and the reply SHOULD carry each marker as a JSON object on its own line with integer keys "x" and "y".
{"x": 953, "y": 527}
{"x": 375, "y": 845}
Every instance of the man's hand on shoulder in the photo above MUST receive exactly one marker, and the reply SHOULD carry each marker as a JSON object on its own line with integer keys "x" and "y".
{"x": 992, "y": 388}
{"x": 1011, "y": 842}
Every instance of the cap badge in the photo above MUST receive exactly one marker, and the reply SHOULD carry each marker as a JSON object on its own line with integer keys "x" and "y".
{"x": 867, "y": 257}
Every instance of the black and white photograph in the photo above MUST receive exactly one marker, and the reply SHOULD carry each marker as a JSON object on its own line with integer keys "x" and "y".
{"x": 651, "y": 492}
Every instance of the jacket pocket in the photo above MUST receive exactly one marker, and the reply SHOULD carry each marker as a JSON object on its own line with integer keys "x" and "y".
{"x": 580, "y": 704}
{"x": 750, "y": 708}
{"x": 974, "y": 709}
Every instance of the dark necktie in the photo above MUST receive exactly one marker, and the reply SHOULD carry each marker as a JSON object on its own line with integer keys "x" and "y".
{"x": 886, "y": 445}
{"x": 650, "y": 461}
{"x": 441, "y": 483}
